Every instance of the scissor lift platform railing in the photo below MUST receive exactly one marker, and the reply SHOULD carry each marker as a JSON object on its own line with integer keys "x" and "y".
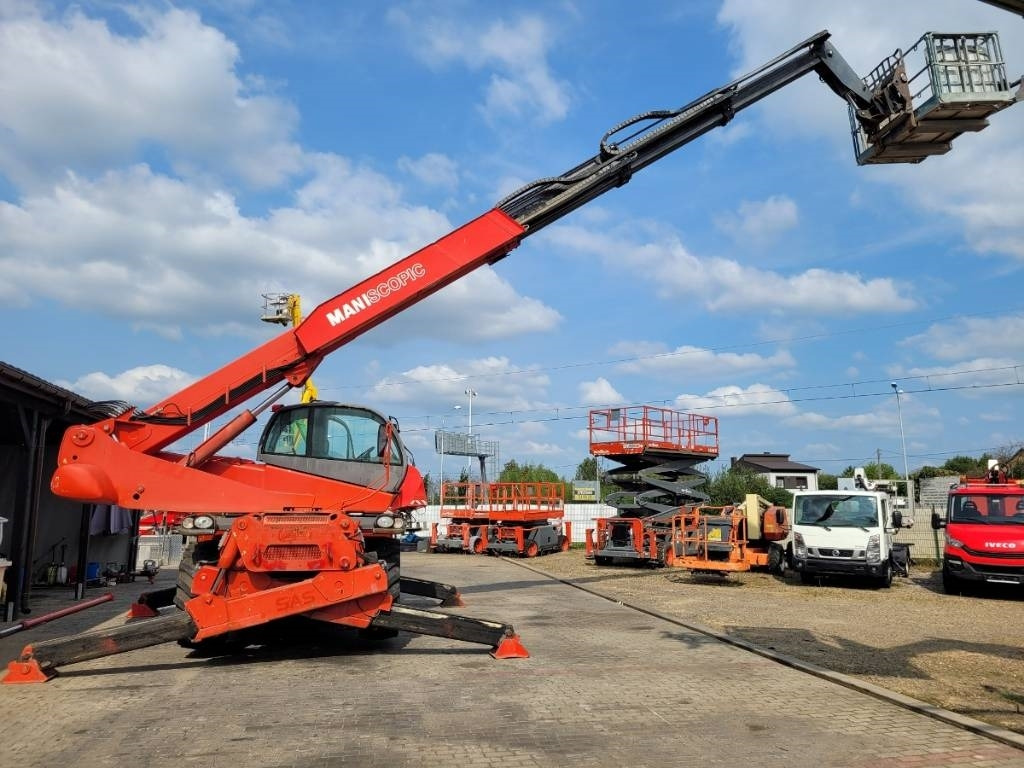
{"x": 657, "y": 448}
{"x": 521, "y": 518}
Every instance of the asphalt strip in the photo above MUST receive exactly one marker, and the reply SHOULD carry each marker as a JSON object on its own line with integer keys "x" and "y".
{"x": 1001, "y": 735}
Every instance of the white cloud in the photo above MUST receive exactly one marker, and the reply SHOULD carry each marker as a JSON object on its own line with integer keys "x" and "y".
{"x": 521, "y": 84}
{"x": 168, "y": 255}
{"x": 88, "y": 97}
{"x": 727, "y": 285}
{"x": 599, "y": 392}
{"x": 971, "y": 337}
{"x": 761, "y": 220}
{"x": 142, "y": 386}
{"x": 690, "y": 361}
{"x": 433, "y": 169}
{"x": 732, "y": 400}
{"x": 503, "y": 387}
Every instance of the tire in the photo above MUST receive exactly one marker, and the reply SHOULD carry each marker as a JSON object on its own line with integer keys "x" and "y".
{"x": 387, "y": 552}
{"x": 196, "y": 555}
{"x": 951, "y": 585}
{"x": 885, "y": 580}
{"x": 532, "y": 550}
{"x": 777, "y": 560}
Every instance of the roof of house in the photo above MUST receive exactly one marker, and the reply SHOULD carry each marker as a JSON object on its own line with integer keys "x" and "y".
{"x": 773, "y": 462}
{"x": 21, "y": 390}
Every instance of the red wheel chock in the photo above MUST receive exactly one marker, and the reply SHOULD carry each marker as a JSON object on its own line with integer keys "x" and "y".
{"x": 510, "y": 648}
{"x": 26, "y": 670}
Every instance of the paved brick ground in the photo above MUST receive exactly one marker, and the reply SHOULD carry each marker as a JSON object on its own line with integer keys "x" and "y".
{"x": 605, "y": 686}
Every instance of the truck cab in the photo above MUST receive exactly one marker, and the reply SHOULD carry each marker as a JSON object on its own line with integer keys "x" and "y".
{"x": 844, "y": 533}
{"x": 984, "y": 527}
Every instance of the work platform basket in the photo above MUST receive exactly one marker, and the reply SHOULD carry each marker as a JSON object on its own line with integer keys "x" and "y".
{"x": 951, "y": 83}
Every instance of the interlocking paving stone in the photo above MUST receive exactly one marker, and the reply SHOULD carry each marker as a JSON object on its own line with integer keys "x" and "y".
{"x": 605, "y": 686}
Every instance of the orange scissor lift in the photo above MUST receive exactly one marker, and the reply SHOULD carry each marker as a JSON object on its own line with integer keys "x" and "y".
{"x": 465, "y": 516}
{"x": 657, "y": 449}
{"x": 526, "y": 519}
{"x": 522, "y": 519}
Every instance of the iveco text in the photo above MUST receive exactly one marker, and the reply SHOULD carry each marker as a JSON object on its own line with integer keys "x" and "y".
{"x": 371, "y": 296}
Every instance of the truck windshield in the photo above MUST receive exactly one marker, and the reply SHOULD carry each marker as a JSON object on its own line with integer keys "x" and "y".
{"x": 836, "y": 511}
{"x": 987, "y": 508}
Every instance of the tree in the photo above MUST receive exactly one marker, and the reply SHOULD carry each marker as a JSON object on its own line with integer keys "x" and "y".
{"x": 827, "y": 482}
{"x": 731, "y": 485}
{"x": 966, "y": 465}
{"x": 587, "y": 469}
{"x": 527, "y": 473}
{"x": 875, "y": 471}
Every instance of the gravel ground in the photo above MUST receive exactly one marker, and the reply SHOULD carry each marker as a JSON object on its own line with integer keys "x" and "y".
{"x": 965, "y": 654}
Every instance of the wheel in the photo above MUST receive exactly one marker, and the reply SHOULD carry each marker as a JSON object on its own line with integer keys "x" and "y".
{"x": 196, "y": 554}
{"x": 951, "y": 584}
{"x": 388, "y": 552}
{"x": 777, "y": 560}
{"x": 532, "y": 550}
{"x": 564, "y": 544}
{"x": 885, "y": 580}
{"x": 478, "y": 546}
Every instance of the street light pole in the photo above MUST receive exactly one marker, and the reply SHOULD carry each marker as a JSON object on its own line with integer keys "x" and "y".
{"x": 469, "y": 427}
{"x": 903, "y": 441}
{"x": 471, "y": 393}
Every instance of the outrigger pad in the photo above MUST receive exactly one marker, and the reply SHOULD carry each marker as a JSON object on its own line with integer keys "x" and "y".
{"x": 26, "y": 670}
{"x": 510, "y": 648}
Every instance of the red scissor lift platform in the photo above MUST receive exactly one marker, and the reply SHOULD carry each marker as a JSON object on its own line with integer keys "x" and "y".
{"x": 464, "y": 518}
{"x": 657, "y": 450}
{"x": 522, "y": 519}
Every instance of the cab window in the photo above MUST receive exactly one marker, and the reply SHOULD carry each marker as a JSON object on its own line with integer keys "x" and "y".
{"x": 288, "y": 433}
{"x": 352, "y": 434}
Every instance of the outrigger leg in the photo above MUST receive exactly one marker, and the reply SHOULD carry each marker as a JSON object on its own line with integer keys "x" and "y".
{"x": 40, "y": 661}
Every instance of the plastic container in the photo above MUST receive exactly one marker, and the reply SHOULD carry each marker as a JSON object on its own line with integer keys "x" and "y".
{"x": 92, "y": 572}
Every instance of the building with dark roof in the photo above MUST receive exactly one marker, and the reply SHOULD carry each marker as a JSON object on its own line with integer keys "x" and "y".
{"x": 42, "y": 529}
{"x": 779, "y": 471}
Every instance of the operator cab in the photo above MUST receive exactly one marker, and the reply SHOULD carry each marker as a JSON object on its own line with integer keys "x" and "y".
{"x": 350, "y": 443}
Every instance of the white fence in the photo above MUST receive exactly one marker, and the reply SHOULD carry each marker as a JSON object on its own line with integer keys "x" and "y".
{"x": 165, "y": 549}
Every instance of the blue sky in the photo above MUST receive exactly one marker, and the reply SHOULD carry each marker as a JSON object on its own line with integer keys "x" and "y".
{"x": 163, "y": 165}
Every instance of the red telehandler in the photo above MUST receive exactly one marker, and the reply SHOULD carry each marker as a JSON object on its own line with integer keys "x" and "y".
{"x": 309, "y": 528}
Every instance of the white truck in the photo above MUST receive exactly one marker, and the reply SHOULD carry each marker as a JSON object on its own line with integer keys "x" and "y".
{"x": 846, "y": 533}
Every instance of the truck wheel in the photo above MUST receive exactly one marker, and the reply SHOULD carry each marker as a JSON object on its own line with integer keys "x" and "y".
{"x": 777, "y": 560}
{"x": 951, "y": 585}
{"x": 885, "y": 580}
